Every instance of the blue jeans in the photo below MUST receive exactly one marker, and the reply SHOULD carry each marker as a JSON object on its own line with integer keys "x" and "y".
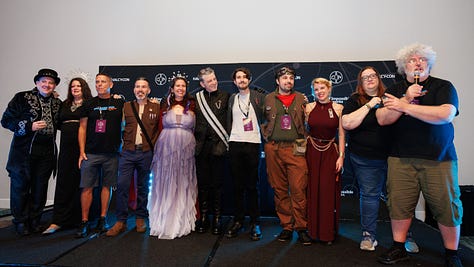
{"x": 371, "y": 176}
{"x": 129, "y": 162}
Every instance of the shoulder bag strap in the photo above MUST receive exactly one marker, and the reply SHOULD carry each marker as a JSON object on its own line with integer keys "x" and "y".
{"x": 147, "y": 137}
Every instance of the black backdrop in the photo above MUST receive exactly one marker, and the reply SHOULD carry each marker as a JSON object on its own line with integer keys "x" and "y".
{"x": 343, "y": 76}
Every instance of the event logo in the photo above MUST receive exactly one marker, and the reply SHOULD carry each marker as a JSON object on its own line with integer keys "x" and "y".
{"x": 387, "y": 76}
{"x": 122, "y": 79}
{"x": 160, "y": 79}
{"x": 336, "y": 77}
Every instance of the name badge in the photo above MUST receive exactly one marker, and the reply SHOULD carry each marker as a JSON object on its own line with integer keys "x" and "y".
{"x": 100, "y": 126}
{"x": 285, "y": 122}
{"x": 248, "y": 125}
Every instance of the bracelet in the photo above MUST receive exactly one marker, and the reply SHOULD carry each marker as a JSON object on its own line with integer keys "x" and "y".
{"x": 341, "y": 154}
{"x": 368, "y": 106}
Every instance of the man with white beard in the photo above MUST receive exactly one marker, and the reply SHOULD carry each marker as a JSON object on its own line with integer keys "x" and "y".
{"x": 422, "y": 157}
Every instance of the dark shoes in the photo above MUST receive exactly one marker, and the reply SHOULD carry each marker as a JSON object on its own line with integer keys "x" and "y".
{"x": 234, "y": 230}
{"x": 393, "y": 255}
{"x": 255, "y": 232}
{"x": 83, "y": 230}
{"x": 202, "y": 225}
{"x": 217, "y": 225}
{"x": 453, "y": 261}
{"x": 304, "y": 238}
{"x": 285, "y": 235}
{"x": 22, "y": 229}
{"x": 102, "y": 226}
{"x": 36, "y": 227}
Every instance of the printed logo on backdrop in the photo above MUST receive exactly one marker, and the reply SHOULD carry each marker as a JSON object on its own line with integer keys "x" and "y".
{"x": 343, "y": 76}
{"x": 120, "y": 79}
{"x": 160, "y": 79}
{"x": 336, "y": 77}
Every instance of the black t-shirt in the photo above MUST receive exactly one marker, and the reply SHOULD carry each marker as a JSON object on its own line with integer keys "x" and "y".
{"x": 368, "y": 139}
{"x": 413, "y": 138}
{"x": 109, "y": 110}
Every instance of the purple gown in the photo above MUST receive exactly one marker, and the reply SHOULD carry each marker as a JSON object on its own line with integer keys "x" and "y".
{"x": 174, "y": 188}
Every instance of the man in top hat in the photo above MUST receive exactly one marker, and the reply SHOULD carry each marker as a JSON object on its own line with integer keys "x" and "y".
{"x": 33, "y": 117}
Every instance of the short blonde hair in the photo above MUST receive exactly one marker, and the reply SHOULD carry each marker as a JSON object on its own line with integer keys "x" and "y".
{"x": 321, "y": 81}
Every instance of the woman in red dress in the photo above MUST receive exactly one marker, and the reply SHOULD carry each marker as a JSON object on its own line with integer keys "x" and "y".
{"x": 325, "y": 157}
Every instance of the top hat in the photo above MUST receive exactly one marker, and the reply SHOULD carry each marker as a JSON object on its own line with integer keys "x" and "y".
{"x": 47, "y": 73}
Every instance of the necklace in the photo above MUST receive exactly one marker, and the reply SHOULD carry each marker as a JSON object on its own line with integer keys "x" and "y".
{"x": 75, "y": 105}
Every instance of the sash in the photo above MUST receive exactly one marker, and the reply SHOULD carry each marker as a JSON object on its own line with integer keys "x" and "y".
{"x": 212, "y": 119}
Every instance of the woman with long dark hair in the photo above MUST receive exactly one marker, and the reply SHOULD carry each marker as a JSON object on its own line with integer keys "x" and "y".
{"x": 67, "y": 207}
{"x": 174, "y": 188}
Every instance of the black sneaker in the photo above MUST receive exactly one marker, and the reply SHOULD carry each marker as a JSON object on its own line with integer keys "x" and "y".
{"x": 285, "y": 235}
{"x": 453, "y": 261}
{"x": 304, "y": 238}
{"x": 393, "y": 255}
{"x": 83, "y": 230}
{"x": 102, "y": 226}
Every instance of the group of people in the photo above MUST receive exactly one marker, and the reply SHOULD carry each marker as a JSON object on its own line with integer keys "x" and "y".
{"x": 399, "y": 140}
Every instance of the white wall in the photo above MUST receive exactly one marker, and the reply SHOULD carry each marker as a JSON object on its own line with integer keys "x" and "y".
{"x": 82, "y": 35}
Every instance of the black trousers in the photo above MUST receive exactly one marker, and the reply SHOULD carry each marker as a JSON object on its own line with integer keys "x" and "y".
{"x": 210, "y": 178}
{"x": 28, "y": 192}
{"x": 244, "y": 160}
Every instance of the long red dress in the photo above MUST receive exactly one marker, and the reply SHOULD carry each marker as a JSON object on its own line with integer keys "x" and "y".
{"x": 324, "y": 192}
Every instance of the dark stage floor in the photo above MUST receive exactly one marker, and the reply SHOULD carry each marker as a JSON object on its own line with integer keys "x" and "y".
{"x": 134, "y": 249}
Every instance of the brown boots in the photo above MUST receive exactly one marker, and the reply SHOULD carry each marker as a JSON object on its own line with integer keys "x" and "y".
{"x": 119, "y": 227}
{"x": 141, "y": 225}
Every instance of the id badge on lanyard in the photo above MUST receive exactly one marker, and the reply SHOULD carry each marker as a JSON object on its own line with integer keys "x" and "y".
{"x": 285, "y": 120}
{"x": 101, "y": 123}
{"x": 248, "y": 125}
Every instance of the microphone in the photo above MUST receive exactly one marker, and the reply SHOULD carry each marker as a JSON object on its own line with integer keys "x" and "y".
{"x": 416, "y": 77}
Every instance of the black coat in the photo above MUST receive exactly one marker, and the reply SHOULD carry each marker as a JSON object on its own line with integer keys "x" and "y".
{"x": 217, "y": 101}
{"x": 21, "y": 112}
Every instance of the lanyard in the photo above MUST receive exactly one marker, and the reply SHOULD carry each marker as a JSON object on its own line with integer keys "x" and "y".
{"x": 101, "y": 116}
{"x": 247, "y": 108}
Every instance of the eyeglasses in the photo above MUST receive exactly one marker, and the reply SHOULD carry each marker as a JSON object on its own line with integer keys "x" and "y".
{"x": 420, "y": 60}
{"x": 367, "y": 77}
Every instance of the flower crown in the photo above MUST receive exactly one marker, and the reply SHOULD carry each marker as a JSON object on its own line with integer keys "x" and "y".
{"x": 77, "y": 73}
{"x": 178, "y": 74}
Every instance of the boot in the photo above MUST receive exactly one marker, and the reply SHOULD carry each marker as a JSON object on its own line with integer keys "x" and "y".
{"x": 217, "y": 225}
{"x": 119, "y": 227}
{"x": 217, "y": 221}
{"x": 141, "y": 225}
{"x": 202, "y": 224}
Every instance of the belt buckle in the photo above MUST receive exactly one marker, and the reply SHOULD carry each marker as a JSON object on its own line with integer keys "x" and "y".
{"x": 139, "y": 147}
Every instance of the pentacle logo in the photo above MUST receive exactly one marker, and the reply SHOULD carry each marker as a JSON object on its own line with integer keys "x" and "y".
{"x": 160, "y": 79}
{"x": 336, "y": 77}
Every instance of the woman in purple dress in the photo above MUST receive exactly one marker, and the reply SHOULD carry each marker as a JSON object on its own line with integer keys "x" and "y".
{"x": 174, "y": 189}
